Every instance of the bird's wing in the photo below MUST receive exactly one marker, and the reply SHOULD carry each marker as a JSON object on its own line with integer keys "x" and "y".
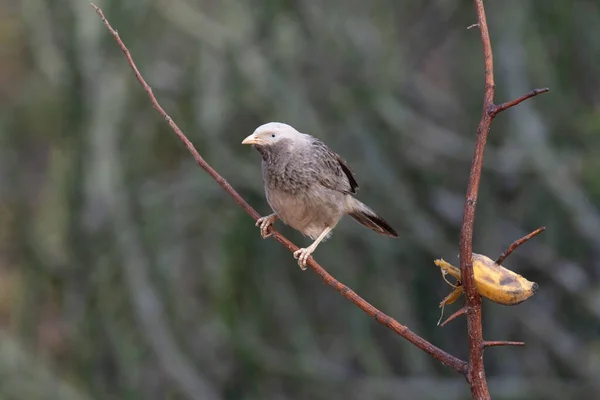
{"x": 335, "y": 173}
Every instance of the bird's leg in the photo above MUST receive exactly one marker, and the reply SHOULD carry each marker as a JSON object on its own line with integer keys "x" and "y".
{"x": 264, "y": 223}
{"x": 303, "y": 254}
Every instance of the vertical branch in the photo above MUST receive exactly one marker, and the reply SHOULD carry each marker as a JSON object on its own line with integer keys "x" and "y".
{"x": 476, "y": 371}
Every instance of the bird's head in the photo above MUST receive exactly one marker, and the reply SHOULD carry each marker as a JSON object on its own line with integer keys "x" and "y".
{"x": 273, "y": 134}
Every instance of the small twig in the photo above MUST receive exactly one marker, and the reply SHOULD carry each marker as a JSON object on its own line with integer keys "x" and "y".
{"x": 493, "y": 343}
{"x": 437, "y": 353}
{"x": 457, "y": 314}
{"x": 505, "y": 106}
{"x": 472, "y": 26}
{"x": 517, "y": 243}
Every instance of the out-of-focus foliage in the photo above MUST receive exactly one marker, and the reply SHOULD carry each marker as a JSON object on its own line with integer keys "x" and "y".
{"x": 127, "y": 273}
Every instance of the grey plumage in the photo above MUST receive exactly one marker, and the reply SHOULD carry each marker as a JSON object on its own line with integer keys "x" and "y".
{"x": 308, "y": 186}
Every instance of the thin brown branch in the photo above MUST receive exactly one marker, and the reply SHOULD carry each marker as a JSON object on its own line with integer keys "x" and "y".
{"x": 437, "y": 353}
{"x": 457, "y": 314}
{"x": 517, "y": 243}
{"x": 505, "y": 106}
{"x": 476, "y": 371}
{"x": 493, "y": 343}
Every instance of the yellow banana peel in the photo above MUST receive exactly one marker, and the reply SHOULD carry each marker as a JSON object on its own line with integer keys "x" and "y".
{"x": 494, "y": 282}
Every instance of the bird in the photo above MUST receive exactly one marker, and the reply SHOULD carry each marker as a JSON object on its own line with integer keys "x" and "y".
{"x": 308, "y": 186}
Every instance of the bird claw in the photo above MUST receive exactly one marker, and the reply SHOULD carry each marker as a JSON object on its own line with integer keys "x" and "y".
{"x": 302, "y": 256}
{"x": 264, "y": 223}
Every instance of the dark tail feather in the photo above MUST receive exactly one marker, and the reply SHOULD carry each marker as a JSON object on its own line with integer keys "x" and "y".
{"x": 369, "y": 218}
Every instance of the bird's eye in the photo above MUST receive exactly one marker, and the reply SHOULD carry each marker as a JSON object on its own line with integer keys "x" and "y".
{"x": 272, "y": 135}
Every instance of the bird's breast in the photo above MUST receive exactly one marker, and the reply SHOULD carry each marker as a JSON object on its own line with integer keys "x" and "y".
{"x": 287, "y": 176}
{"x": 308, "y": 212}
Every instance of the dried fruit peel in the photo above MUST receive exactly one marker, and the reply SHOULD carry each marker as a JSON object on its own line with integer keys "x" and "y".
{"x": 493, "y": 281}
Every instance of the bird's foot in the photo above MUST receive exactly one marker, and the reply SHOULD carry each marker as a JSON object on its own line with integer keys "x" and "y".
{"x": 264, "y": 223}
{"x": 302, "y": 256}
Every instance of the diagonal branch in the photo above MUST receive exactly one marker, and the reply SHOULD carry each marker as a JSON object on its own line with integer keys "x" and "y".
{"x": 505, "y": 106}
{"x": 519, "y": 242}
{"x": 476, "y": 372}
{"x": 455, "y": 315}
{"x": 437, "y": 353}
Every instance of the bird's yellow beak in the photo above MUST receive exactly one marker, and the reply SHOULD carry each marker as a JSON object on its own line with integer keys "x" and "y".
{"x": 252, "y": 139}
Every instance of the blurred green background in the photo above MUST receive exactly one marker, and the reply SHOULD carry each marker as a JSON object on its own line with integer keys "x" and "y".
{"x": 127, "y": 273}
